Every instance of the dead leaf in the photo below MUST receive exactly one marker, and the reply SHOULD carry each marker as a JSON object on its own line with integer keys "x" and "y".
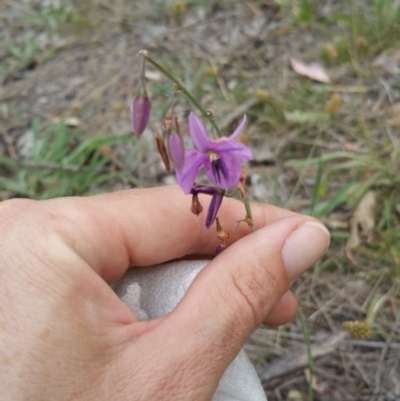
{"x": 70, "y": 121}
{"x": 295, "y": 395}
{"x": 395, "y": 112}
{"x": 395, "y": 109}
{"x": 363, "y": 221}
{"x": 313, "y": 71}
{"x": 394, "y": 122}
{"x": 153, "y": 75}
{"x": 388, "y": 61}
{"x": 73, "y": 122}
{"x": 318, "y": 385}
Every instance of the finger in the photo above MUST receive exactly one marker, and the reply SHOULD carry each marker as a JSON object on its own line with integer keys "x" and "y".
{"x": 9, "y": 208}
{"x": 239, "y": 288}
{"x": 140, "y": 227}
{"x": 284, "y": 311}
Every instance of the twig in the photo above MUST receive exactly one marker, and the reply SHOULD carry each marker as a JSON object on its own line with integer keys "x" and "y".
{"x": 382, "y": 357}
{"x": 297, "y": 358}
{"x": 309, "y": 355}
{"x": 370, "y": 344}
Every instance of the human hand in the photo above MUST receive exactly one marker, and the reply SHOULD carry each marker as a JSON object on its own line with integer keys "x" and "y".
{"x": 64, "y": 334}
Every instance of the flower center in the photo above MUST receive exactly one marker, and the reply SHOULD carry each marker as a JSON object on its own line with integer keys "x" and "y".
{"x": 217, "y": 167}
{"x": 213, "y": 156}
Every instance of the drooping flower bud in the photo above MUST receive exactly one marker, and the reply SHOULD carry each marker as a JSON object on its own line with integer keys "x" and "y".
{"x": 140, "y": 113}
{"x": 214, "y": 207}
{"x": 176, "y": 150}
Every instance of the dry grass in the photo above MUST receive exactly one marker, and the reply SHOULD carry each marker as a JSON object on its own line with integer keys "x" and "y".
{"x": 79, "y": 61}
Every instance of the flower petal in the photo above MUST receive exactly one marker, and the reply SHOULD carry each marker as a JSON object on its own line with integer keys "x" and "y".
{"x": 239, "y": 128}
{"x": 198, "y": 134}
{"x": 227, "y": 173}
{"x": 240, "y": 150}
{"x": 193, "y": 162}
{"x": 214, "y": 207}
{"x": 203, "y": 189}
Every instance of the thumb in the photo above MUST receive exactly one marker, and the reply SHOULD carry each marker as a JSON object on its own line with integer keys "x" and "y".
{"x": 230, "y": 298}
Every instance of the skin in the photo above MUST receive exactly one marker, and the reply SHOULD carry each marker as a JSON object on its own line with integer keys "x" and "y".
{"x": 65, "y": 335}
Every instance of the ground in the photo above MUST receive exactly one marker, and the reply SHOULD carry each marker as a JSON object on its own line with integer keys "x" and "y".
{"x": 69, "y": 72}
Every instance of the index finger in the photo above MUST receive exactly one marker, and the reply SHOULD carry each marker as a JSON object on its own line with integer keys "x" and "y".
{"x": 142, "y": 227}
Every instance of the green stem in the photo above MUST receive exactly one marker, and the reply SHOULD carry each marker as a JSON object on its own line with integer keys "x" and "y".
{"x": 183, "y": 89}
{"x": 249, "y": 214}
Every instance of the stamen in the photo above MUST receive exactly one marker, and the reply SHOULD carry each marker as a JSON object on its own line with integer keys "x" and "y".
{"x": 218, "y": 170}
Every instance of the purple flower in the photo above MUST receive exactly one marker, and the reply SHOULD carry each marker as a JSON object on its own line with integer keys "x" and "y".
{"x": 176, "y": 150}
{"x": 221, "y": 158}
{"x": 140, "y": 113}
{"x": 216, "y": 200}
{"x": 203, "y": 189}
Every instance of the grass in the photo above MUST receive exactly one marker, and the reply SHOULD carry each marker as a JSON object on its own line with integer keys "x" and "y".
{"x": 58, "y": 163}
{"x": 328, "y": 158}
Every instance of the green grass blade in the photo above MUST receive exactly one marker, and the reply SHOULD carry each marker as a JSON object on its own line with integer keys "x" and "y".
{"x": 316, "y": 189}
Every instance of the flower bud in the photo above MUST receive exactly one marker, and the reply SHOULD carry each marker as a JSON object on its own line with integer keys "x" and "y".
{"x": 140, "y": 113}
{"x": 176, "y": 150}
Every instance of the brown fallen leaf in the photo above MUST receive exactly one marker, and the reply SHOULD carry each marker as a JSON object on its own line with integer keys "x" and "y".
{"x": 388, "y": 61}
{"x": 363, "y": 221}
{"x": 313, "y": 71}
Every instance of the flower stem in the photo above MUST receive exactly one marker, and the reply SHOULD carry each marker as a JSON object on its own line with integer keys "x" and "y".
{"x": 183, "y": 89}
{"x": 307, "y": 340}
{"x": 203, "y": 111}
{"x": 249, "y": 214}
